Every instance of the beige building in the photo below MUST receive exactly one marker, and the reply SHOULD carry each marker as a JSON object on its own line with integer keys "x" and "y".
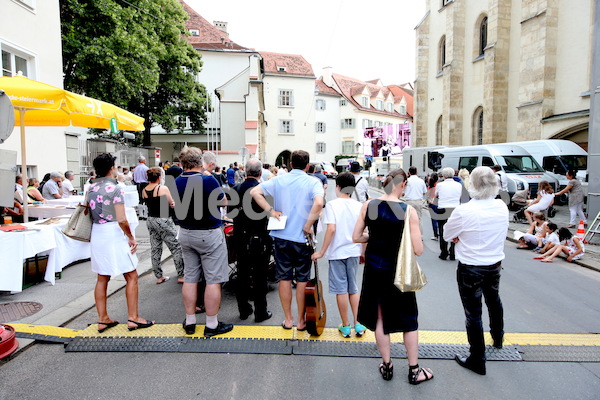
{"x": 493, "y": 71}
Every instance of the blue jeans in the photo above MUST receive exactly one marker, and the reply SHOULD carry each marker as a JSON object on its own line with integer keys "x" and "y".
{"x": 473, "y": 281}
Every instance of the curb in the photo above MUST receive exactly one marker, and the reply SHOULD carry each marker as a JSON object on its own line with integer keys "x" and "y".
{"x": 589, "y": 264}
{"x": 81, "y": 305}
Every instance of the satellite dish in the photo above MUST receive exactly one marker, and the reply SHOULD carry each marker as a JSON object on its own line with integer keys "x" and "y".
{"x": 7, "y": 116}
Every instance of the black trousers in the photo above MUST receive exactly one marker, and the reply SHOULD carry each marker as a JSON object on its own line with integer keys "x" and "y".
{"x": 473, "y": 281}
{"x": 443, "y": 243}
{"x": 253, "y": 254}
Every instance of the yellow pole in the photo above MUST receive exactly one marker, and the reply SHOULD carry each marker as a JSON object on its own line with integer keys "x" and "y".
{"x": 24, "y": 165}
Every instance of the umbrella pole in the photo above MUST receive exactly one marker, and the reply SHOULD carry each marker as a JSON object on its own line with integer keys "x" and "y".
{"x": 24, "y": 165}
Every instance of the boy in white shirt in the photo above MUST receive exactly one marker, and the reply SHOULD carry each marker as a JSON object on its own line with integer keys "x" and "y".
{"x": 549, "y": 239}
{"x": 340, "y": 216}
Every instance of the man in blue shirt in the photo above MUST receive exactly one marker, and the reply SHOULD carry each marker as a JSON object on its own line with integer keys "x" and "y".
{"x": 197, "y": 200}
{"x": 231, "y": 176}
{"x": 299, "y": 197}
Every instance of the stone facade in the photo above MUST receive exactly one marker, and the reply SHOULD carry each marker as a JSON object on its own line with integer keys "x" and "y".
{"x": 518, "y": 82}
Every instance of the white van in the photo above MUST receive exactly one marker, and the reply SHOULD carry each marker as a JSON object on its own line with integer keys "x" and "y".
{"x": 520, "y": 167}
{"x": 557, "y": 157}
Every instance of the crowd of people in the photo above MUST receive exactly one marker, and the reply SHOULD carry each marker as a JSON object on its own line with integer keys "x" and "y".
{"x": 186, "y": 203}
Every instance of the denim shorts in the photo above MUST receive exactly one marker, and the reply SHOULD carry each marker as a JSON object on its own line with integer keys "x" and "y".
{"x": 289, "y": 257}
{"x": 342, "y": 276}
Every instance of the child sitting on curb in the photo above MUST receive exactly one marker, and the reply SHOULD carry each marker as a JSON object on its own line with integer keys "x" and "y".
{"x": 535, "y": 232}
{"x": 340, "y": 217}
{"x": 549, "y": 240}
{"x": 570, "y": 245}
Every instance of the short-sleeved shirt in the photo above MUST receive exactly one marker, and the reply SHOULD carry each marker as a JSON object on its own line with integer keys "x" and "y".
{"x": 202, "y": 211}
{"x": 139, "y": 173}
{"x": 67, "y": 188}
{"x": 50, "y": 189}
{"x": 293, "y": 195}
{"x": 361, "y": 192}
{"x": 576, "y": 192}
{"x": 415, "y": 188}
{"x": 321, "y": 177}
{"x": 343, "y": 213}
{"x": 102, "y": 196}
{"x": 231, "y": 176}
{"x": 449, "y": 193}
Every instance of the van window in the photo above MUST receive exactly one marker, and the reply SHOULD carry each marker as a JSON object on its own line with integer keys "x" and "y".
{"x": 424, "y": 162}
{"x": 553, "y": 164}
{"x": 467, "y": 162}
{"x": 516, "y": 164}
{"x": 487, "y": 162}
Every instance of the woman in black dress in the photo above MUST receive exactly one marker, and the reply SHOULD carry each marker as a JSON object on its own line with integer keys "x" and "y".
{"x": 383, "y": 308}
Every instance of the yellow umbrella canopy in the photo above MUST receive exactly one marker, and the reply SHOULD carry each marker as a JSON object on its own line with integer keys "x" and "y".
{"x": 47, "y": 105}
{"x": 39, "y": 104}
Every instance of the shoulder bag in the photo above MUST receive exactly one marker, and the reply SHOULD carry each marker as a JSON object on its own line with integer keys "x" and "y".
{"x": 409, "y": 276}
{"x": 79, "y": 226}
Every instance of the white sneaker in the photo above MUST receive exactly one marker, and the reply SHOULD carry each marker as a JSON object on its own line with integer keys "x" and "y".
{"x": 434, "y": 238}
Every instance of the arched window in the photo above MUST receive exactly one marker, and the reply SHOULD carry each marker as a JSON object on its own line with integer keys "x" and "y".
{"x": 478, "y": 126}
{"x": 483, "y": 35}
{"x": 438, "y": 132}
{"x": 442, "y": 54}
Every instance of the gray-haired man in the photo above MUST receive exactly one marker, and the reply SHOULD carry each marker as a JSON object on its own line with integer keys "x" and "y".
{"x": 253, "y": 244}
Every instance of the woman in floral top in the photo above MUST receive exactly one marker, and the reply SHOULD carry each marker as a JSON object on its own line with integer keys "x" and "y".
{"x": 113, "y": 245}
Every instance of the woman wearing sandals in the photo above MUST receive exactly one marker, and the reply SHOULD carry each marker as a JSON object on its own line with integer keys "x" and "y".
{"x": 160, "y": 225}
{"x": 112, "y": 244}
{"x": 383, "y": 308}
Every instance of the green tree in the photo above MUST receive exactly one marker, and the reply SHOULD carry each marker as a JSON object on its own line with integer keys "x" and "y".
{"x": 133, "y": 53}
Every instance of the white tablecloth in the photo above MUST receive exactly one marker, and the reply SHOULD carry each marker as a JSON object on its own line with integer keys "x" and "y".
{"x": 70, "y": 201}
{"x": 131, "y": 199}
{"x": 49, "y": 211}
{"x": 15, "y": 247}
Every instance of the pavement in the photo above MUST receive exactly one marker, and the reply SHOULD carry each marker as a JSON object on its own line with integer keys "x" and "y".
{"x": 73, "y": 294}
{"x": 540, "y": 300}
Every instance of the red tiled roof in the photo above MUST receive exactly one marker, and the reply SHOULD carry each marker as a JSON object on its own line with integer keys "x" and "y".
{"x": 399, "y": 92}
{"x": 351, "y": 86}
{"x": 324, "y": 89}
{"x": 294, "y": 65}
{"x": 209, "y": 37}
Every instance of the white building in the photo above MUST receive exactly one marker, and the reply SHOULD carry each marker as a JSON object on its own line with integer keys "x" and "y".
{"x": 366, "y": 104}
{"x": 231, "y": 75}
{"x": 30, "y": 42}
{"x": 289, "y": 96}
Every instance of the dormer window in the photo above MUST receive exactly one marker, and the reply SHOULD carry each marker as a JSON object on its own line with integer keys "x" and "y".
{"x": 365, "y": 101}
{"x": 280, "y": 69}
{"x": 380, "y": 104}
{"x": 194, "y": 32}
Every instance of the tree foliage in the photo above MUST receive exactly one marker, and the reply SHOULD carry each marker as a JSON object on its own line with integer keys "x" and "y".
{"x": 133, "y": 53}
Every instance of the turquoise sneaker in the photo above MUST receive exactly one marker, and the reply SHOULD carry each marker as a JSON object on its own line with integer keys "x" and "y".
{"x": 346, "y": 331}
{"x": 359, "y": 329}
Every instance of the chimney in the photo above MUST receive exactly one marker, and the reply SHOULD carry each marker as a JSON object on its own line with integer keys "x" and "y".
{"x": 328, "y": 76}
{"x": 221, "y": 25}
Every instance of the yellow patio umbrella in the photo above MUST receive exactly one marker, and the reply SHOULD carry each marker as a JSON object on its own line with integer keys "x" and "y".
{"x": 39, "y": 104}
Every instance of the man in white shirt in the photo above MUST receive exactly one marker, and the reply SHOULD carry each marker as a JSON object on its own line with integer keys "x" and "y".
{"x": 265, "y": 174}
{"x": 479, "y": 230}
{"x": 361, "y": 191}
{"x": 414, "y": 193}
{"x": 448, "y": 193}
{"x": 67, "y": 185}
{"x": 51, "y": 188}
{"x": 502, "y": 182}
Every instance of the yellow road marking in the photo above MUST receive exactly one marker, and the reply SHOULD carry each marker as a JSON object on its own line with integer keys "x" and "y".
{"x": 329, "y": 335}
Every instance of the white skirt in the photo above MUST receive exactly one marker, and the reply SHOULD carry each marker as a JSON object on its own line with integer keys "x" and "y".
{"x": 111, "y": 254}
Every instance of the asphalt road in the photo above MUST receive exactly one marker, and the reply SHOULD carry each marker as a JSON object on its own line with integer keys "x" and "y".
{"x": 545, "y": 298}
